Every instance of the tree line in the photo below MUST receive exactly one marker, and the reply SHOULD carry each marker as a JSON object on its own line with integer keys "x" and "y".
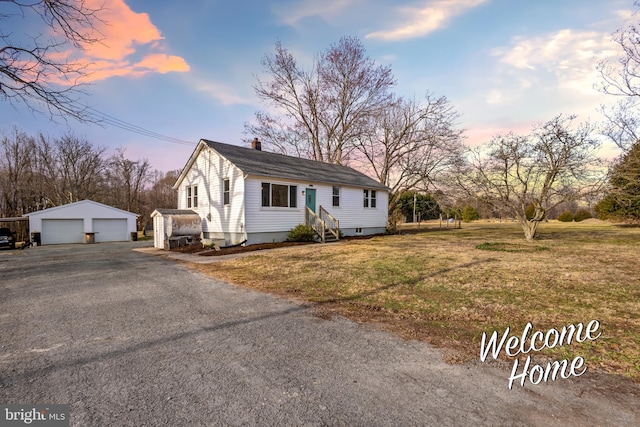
{"x": 38, "y": 172}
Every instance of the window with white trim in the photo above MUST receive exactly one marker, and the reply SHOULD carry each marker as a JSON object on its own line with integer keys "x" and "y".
{"x": 279, "y": 195}
{"x": 336, "y": 195}
{"x": 370, "y": 198}
{"x": 192, "y": 196}
{"x": 226, "y": 192}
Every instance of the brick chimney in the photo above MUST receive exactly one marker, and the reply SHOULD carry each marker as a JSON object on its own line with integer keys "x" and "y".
{"x": 255, "y": 144}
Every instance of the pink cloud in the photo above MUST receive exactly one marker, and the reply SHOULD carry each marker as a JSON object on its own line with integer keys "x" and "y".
{"x": 122, "y": 29}
{"x": 162, "y": 63}
{"x": 123, "y": 33}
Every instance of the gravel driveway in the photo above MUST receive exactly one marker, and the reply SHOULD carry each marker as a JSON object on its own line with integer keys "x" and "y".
{"x": 130, "y": 339}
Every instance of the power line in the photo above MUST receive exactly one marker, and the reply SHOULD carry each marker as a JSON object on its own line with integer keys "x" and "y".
{"x": 101, "y": 117}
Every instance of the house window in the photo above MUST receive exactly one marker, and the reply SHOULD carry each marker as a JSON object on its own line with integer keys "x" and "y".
{"x": 293, "y": 196}
{"x": 266, "y": 192}
{"x": 336, "y": 195}
{"x": 225, "y": 191}
{"x": 369, "y": 199}
{"x": 192, "y": 196}
{"x": 278, "y": 195}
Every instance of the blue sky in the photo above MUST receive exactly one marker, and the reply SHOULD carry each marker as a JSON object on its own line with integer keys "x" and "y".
{"x": 186, "y": 69}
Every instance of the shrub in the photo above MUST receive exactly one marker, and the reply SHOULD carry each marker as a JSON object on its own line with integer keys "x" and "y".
{"x": 581, "y": 215}
{"x": 607, "y": 208}
{"x": 425, "y": 205}
{"x": 301, "y": 233}
{"x": 392, "y": 222}
{"x": 530, "y": 211}
{"x": 469, "y": 213}
{"x": 565, "y": 216}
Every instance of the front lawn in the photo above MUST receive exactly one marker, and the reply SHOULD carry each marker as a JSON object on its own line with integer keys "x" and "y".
{"x": 449, "y": 286}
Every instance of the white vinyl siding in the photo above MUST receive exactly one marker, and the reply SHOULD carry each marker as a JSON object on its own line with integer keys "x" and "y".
{"x": 261, "y": 219}
{"x": 209, "y": 172}
{"x": 350, "y": 213}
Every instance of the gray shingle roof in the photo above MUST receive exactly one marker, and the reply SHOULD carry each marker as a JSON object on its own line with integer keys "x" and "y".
{"x": 264, "y": 163}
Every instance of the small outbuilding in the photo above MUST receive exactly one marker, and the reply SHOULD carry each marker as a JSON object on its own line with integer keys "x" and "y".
{"x": 172, "y": 225}
{"x": 85, "y": 221}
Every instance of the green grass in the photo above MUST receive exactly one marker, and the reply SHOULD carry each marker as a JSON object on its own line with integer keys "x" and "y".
{"x": 449, "y": 286}
{"x": 510, "y": 247}
{"x": 142, "y": 237}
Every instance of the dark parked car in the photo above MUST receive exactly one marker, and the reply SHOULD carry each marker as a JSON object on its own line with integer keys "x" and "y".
{"x": 7, "y": 238}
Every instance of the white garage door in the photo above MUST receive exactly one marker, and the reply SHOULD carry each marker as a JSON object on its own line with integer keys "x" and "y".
{"x": 57, "y": 231}
{"x": 110, "y": 230}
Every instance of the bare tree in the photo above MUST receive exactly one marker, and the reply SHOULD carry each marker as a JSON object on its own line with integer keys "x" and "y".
{"x": 553, "y": 164}
{"x": 16, "y": 173}
{"x": 38, "y": 72}
{"x": 412, "y": 145}
{"x": 621, "y": 75}
{"x": 126, "y": 180}
{"x": 72, "y": 167}
{"x": 159, "y": 193}
{"x": 321, "y": 112}
{"x": 622, "y": 125}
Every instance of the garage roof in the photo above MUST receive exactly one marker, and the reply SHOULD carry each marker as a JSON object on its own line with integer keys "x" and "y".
{"x": 82, "y": 205}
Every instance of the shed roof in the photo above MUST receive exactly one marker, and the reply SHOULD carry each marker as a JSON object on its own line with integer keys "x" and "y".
{"x": 265, "y": 163}
{"x": 173, "y": 212}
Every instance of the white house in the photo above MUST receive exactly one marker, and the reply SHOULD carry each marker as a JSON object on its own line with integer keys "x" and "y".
{"x": 246, "y": 194}
{"x": 83, "y": 221}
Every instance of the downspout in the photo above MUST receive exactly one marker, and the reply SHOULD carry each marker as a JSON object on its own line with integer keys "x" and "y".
{"x": 243, "y": 224}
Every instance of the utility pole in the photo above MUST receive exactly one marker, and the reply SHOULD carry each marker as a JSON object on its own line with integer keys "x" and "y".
{"x": 415, "y": 197}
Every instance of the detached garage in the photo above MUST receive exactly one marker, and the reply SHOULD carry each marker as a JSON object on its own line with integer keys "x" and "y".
{"x": 80, "y": 222}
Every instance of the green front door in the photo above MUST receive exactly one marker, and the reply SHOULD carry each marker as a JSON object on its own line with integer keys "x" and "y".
{"x": 310, "y": 199}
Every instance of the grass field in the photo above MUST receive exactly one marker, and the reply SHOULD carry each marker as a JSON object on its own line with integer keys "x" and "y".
{"x": 447, "y": 287}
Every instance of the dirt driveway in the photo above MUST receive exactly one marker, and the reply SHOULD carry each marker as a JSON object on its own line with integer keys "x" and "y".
{"x": 131, "y": 339}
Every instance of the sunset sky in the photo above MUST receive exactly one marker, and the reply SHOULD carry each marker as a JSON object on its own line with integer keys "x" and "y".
{"x": 186, "y": 69}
